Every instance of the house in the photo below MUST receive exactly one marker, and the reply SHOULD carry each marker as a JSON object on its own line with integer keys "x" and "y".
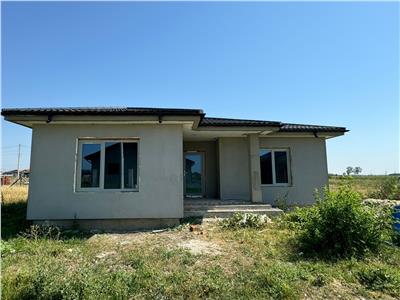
{"x": 12, "y": 176}
{"x": 136, "y": 167}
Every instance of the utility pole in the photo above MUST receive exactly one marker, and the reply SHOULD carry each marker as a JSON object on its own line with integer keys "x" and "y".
{"x": 19, "y": 157}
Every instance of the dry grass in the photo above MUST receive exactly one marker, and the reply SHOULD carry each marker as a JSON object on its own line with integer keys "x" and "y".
{"x": 13, "y": 210}
{"x": 14, "y": 194}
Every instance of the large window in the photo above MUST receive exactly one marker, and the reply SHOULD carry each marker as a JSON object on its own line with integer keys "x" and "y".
{"x": 108, "y": 165}
{"x": 274, "y": 165}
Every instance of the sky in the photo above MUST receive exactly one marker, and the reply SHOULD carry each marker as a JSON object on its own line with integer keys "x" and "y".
{"x": 314, "y": 63}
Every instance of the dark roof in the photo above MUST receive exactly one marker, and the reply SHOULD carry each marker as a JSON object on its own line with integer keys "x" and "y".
{"x": 100, "y": 111}
{"x": 284, "y": 127}
{"x": 236, "y": 122}
{"x": 205, "y": 121}
{"x": 287, "y": 127}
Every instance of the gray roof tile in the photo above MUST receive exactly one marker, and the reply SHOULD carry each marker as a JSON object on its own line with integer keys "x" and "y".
{"x": 205, "y": 121}
{"x": 236, "y": 122}
{"x": 100, "y": 111}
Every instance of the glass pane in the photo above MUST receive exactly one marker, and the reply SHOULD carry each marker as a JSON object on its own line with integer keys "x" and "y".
{"x": 281, "y": 172}
{"x": 193, "y": 168}
{"x": 90, "y": 173}
{"x": 112, "y": 168}
{"x": 130, "y": 165}
{"x": 266, "y": 166}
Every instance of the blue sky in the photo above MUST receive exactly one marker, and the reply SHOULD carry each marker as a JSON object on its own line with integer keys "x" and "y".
{"x": 316, "y": 63}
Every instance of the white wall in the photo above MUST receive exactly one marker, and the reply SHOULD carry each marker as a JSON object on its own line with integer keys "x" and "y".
{"x": 52, "y": 194}
{"x": 308, "y": 167}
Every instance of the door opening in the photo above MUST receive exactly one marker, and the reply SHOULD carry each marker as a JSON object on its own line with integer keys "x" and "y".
{"x": 194, "y": 174}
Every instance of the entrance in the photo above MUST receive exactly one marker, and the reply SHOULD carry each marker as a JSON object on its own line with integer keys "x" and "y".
{"x": 194, "y": 174}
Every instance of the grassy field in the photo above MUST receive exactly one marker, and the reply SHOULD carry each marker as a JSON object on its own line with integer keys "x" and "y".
{"x": 214, "y": 263}
{"x": 365, "y": 184}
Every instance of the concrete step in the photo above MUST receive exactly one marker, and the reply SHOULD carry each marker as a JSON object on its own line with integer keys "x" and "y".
{"x": 229, "y": 207}
{"x": 226, "y": 213}
{"x": 217, "y": 202}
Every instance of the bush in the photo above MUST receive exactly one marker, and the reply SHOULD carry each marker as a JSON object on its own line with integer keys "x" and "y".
{"x": 388, "y": 189}
{"x": 244, "y": 220}
{"x": 339, "y": 225}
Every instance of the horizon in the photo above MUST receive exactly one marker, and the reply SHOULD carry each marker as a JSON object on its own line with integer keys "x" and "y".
{"x": 310, "y": 63}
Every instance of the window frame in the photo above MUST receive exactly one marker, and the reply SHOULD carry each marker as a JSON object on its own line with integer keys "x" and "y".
{"x": 102, "y": 143}
{"x": 288, "y": 164}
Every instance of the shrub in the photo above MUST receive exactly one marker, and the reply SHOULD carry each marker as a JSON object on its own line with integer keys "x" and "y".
{"x": 244, "y": 220}
{"x": 282, "y": 203}
{"x": 339, "y": 225}
{"x": 388, "y": 189}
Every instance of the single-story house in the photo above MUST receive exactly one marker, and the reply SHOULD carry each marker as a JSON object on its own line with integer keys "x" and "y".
{"x": 130, "y": 166}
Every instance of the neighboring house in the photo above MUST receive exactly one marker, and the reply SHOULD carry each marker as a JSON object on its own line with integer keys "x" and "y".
{"x": 10, "y": 177}
{"x": 113, "y": 166}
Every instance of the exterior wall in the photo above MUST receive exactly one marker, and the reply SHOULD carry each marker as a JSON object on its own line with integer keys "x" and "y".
{"x": 112, "y": 224}
{"x": 234, "y": 169}
{"x": 211, "y": 167}
{"x": 308, "y": 169}
{"x": 52, "y": 192}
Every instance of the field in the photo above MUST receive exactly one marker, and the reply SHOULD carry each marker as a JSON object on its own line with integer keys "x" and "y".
{"x": 212, "y": 263}
{"x": 364, "y": 184}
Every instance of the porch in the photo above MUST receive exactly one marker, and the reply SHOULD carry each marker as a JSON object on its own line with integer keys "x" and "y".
{"x": 210, "y": 208}
{"x": 223, "y": 168}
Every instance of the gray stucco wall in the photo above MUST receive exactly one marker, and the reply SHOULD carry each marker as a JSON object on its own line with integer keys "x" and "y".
{"x": 211, "y": 169}
{"x": 307, "y": 163}
{"x": 308, "y": 167}
{"x": 234, "y": 169}
{"x": 53, "y": 162}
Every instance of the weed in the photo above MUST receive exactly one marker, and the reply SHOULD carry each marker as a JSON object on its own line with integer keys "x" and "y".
{"x": 244, "y": 220}
{"x": 389, "y": 188}
{"x": 379, "y": 279}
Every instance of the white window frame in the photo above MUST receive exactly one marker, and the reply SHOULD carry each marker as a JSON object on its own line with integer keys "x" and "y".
{"x": 102, "y": 143}
{"x": 274, "y": 183}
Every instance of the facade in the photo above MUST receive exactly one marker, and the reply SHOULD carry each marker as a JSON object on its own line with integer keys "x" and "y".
{"x": 138, "y": 165}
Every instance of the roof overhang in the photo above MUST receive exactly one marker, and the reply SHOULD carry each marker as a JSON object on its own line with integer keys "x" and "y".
{"x": 32, "y": 120}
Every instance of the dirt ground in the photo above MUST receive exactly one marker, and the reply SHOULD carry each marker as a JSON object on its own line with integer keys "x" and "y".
{"x": 196, "y": 239}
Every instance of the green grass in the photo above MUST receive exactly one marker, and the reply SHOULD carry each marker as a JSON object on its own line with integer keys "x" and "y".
{"x": 251, "y": 263}
{"x": 365, "y": 184}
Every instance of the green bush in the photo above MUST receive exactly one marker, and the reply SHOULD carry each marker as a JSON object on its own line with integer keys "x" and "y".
{"x": 388, "y": 189}
{"x": 339, "y": 225}
{"x": 244, "y": 220}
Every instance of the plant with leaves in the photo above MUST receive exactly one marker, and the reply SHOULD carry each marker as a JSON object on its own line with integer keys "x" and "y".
{"x": 339, "y": 225}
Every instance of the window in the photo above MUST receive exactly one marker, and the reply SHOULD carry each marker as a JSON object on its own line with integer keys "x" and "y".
{"x": 274, "y": 166}
{"x": 108, "y": 165}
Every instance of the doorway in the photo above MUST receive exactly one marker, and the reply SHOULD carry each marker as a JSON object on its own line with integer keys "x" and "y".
{"x": 194, "y": 174}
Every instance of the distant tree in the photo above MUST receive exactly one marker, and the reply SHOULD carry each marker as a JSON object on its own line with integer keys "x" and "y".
{"x": 349, "y": 170}
{"x": 357, "y": 170}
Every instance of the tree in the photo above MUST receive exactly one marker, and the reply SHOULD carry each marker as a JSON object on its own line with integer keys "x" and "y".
{"x": 349, "y": 170}
{"x": 357, "y": 170}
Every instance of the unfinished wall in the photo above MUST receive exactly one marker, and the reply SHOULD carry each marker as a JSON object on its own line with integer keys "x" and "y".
{"x": 52, "y": 193}
{"x": 308, "y": 167}
{"x": 234, "y": 169}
